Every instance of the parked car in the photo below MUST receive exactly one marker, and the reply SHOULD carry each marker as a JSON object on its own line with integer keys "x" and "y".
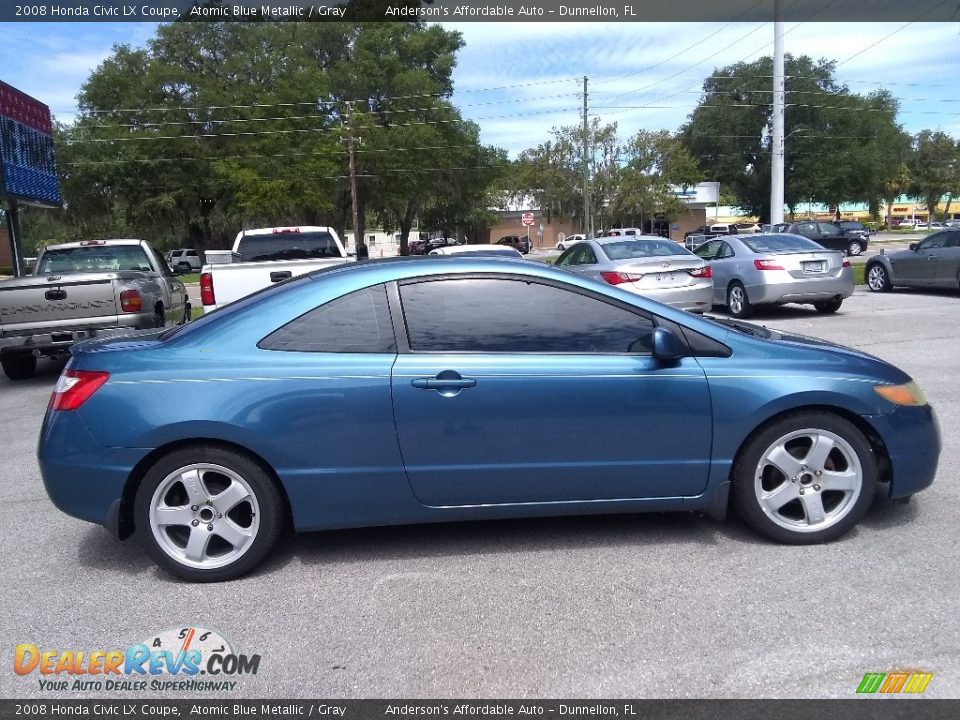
{"x": 702, "y": 230}
{"x": 774, "y": 269}
{"x": 746, "y": 228}
{"x": 569, "y": 240}
{"x": 427, "y": 246}
{"x": 920, "y": 225}
{"x": 647, "y": 265}
{"x": 431, "y": 363}
{"x": 830, "y": 236}
{"x": 724, "y": 229}
{"x": 265, "y": 256}
{"x": 521, "y": 243}
{"x": 83, "y": 290}
{"x": 488, "y": 250}
{"x": 184, "y": 260}
{"x": 617, "y": 232}
{"x": 907, "y": 223}
{"x": 932, "y": 262}
{"x": 855, "y": 228}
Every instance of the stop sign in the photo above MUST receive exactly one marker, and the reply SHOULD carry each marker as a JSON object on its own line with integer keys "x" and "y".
{"x": 527, "y": 219}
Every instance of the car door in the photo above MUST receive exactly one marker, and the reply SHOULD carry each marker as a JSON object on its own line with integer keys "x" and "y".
{"x": 948, "y": 267}
{"x": 831, "y": 236}
{"x": 585, "y": 261}
{"x": 919, "y": 267}
{"x": 503, "y": 374}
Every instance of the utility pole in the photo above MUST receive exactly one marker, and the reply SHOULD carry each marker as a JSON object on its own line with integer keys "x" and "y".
{"x": 357, "y": 230}
{"x": 587, "y": 220}
{"x": 779, "y": 104}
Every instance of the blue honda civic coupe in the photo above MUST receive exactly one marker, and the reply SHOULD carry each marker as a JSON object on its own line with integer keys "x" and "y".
{"x": 455, "y": 388}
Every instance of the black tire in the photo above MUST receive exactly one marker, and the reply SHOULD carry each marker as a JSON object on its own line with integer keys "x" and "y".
{"x": 878, "y": 280}
{"x": 854, "y": 248}
{"x": 187, "y": 312}
{"x": 561, "y": 248}
{"x": 828, "y": 306}
{"x": 19, "y": 366}
{"x": 747, "y": 473}
{"x": 184, "y": 268}
{"x": 738, "y": 304}
{"x": 272, "y": 517}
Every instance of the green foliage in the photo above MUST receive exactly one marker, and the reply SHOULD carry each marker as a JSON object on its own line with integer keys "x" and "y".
{"x": 219, "y": 126}
{"x": 933, "y": 168}
{"x": 840, "y": 146}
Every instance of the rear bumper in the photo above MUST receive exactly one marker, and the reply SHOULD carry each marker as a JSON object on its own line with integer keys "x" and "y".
{"x": 82, "y": 478}
{"x": 695, "y": 298}
{"x": 912, "y": 438}
{"x": 794, "y": 290}
{"x": 61, "y": 339}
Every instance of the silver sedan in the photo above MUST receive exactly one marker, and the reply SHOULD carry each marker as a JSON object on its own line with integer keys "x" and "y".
{"x": 932, "y": 262}
{"x": 773, "y": 269}
{"x": 651, "y": 266}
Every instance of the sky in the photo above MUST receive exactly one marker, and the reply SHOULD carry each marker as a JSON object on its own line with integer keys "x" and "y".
{"x": 518, "y": 80}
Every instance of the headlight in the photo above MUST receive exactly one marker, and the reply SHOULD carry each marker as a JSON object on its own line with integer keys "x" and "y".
{"x": 907, "y": 394}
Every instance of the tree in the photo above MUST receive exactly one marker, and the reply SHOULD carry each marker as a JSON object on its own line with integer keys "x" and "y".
{"x": 932, "y": 168}
{"x": 838, "y": 143}
{"x": 656, "y": 162}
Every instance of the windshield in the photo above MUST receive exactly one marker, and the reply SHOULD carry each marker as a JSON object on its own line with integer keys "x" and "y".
{"x": 780, "y": 243}
{"x": 638, "y": 249}
{"x": 287, "y": 246}
{"x": 93, "y": 258}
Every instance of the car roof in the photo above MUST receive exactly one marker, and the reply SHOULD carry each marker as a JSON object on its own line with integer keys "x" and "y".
{"x": 609, "y": 239}
{"x": 291, "y": 229}
{"x": 83, "y": 243}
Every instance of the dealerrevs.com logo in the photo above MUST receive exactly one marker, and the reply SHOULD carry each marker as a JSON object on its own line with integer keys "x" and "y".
{"x": 189, "y": 659}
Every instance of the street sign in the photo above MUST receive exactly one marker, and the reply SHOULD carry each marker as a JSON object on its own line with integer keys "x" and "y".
{"x": 527, "y": 219}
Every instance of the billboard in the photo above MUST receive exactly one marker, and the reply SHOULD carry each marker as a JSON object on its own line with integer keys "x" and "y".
{"x": 28, "y": 170}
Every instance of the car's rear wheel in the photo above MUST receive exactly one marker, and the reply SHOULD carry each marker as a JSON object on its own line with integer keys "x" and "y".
{"x": 828, "y": 306}
{"x": 855, "y": 247}
{"x": 738, "y": 304}
{"x": 805, "y": 478}
{"x": 184, "y": 268}
{"x": 877, "y": 278}
{"x": 19, "y": 366}
{"x": 208, "y": 514}
{"x": 561, "y": 248}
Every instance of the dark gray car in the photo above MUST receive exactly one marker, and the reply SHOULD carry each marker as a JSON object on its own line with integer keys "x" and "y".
{"x": 932, "y": 262}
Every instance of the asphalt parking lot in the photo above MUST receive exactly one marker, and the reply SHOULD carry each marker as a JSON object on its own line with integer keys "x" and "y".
{"x": 620, "y": 606}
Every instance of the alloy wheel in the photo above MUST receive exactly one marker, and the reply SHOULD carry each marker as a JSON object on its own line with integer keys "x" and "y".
{"x": 808, "y": 480}
{"x": 204, "y": 516}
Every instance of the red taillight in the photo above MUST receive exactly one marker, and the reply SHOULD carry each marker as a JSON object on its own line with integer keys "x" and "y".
{"x": 206, "y": 289}
{"x": 846, "y": 263}
{"x": 767, "y": 265}
{"x": 130, "y": 301}
{"x": 75, "y": 387}
{"x": 616, "y": 278}
{"x": 705, "y": 272}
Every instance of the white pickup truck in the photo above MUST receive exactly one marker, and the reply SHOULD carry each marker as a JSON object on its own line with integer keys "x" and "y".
{"x": 266, "y": 256}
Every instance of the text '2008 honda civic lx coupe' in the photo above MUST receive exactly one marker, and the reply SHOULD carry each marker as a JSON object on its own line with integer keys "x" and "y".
{"x": 391, "y": 391}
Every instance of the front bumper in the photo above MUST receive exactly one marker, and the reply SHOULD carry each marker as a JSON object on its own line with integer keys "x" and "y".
{"x": 912, "y": 438}
{"x": 82, "y": 478}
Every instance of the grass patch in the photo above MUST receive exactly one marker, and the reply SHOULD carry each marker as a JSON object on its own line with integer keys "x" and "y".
{"x": 196, "y": 312}
{"x": 860, "y": 274}
{"x": 189, "y": 278}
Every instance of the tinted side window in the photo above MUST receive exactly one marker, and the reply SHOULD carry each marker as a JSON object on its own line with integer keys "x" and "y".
{"x": 515, "y": 316}
{"x": 725, "y": 251}
{"x": 355, "y": 323}
{"x": 708, "y": 251}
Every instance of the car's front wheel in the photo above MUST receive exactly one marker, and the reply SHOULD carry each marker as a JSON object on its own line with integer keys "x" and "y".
{"x": 877, "y": 278}
{"x": 855, "y": 247}
{"x": 208, "y": 514}
{"x": 805, "y": 478}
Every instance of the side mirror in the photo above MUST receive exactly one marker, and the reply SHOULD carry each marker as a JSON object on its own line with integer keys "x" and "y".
{"x": 914, "y": 246}
{"x": 667, "y": 346}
